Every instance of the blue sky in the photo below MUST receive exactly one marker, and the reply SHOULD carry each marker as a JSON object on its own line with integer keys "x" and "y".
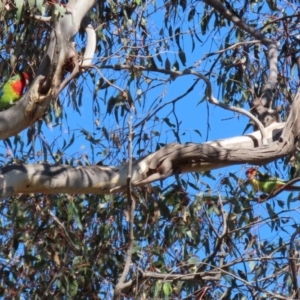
{"x": 191, "y": 115}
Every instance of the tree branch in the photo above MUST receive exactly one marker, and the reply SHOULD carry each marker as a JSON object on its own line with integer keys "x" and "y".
{"x": 217, "y": 5}
{"x": 131, "y": 207}
{"x": 91, "y": 43}
{"x": 174, "y": 158}
{"x": 266, "y": 98}
{"x": 214, "y": 275}
{"x": 211, "y": 98}
{"x": 281, "y": 189}
{"x": 41, "y": 18}
{"x": 72, "y": 245}
{"x": 292, "y": 261}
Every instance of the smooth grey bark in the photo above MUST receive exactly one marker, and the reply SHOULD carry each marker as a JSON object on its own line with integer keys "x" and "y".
{"x": 172, "y": 159}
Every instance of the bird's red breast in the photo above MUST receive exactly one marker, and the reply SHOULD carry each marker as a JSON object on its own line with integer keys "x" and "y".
{"x": 251, "y": 172}
{"x": 19, "y": 84}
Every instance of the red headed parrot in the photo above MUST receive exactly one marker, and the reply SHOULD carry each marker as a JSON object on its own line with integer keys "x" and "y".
{"x": 12, "y": 90}
{"x": 265, "y": 183}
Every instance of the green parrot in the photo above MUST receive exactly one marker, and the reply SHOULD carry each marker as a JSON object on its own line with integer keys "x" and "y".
{"x": 265, "y": 183}
{"x": 12, "y": 90}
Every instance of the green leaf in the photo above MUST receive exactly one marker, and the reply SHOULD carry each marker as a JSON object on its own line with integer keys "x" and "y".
{"x": 157, "y": 288}
{"x": 281, "y": 203}
{"x": 258, "y": 272}
{"x": 197, "y": 131}
{"x": 204, "y": 22}
{"x": 39, "y": 5}
{"x": 175, "y": 66}
{"x": 111, "y": 104}
{"x": 190, "y": 235}
{"x": 251, "y": 265}
{"x": 7, "y": 143}
{"x": 194, "y": 260}
{"x": 167, "y": 65}
{"x": 167, "y": 288}
{"x": 272, "y": 5}
{"x": 70, "y": 142}
{"x": 249, "y": 125}
{"x": 270, "y": 210}
{"x": 171, "y": 33}
{"x": 45, "y": 150}
{"x": 30, "y": 135}
{"x": 19, "y": 6}
{"x": 177, "y": 37}
{"x": 158, "y": 54}
{"x": 182, "y": 57}
{"x": 58, "y": 112}
{"x": 155, "y": 133}
{"x": 77, "y": 260}
{"x": 167, "y": 120}
{"x": 59, "y": 10}
{"x": 192, "y": 185}
{"x": 191, "y": 14}
{"x": 105, "y": 133}
{"x": 76, "y": 215}
{"x": 31, "y": 3}
{"x": 73, "y": 287}
{"x": 89, "y": 137}
{"x": 70, "y": 212}
{"x": 182, "y": 4}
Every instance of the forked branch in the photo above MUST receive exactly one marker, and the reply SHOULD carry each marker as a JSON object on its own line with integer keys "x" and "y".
{"x": 262, "y": 104}
{"x": 211, "y": 98}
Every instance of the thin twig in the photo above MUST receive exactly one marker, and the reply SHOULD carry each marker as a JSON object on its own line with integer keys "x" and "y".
{"x": 211, "y": 98}
{"x": 89, "y": 52}
{"x": 41, "y": 18}
{"x": 57, "y": 275}
{"x": 219, "y": 242}
{"x": 75, "y": 248}
{"x": 211, "y": 275}
{"x": 240, "y": 110}
{"x": 231, "y": 47}
{"x": 292, "y": 262}
{"x": 131, "y": 207}
{"x": 282, "y": 188}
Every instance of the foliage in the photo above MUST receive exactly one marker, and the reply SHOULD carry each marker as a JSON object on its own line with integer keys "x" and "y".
{"x": 196, "y": 237}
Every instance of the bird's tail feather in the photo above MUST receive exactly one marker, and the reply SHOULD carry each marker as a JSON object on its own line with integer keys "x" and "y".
{"x": 292, "y": 188}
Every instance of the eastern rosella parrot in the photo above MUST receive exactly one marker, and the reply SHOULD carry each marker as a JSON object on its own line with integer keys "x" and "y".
{"x": 265, "y": 183}
{"x": 12, "y": 90}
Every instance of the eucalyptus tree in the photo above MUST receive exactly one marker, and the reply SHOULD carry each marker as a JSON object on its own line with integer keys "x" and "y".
{"x": 134, "y": 215}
